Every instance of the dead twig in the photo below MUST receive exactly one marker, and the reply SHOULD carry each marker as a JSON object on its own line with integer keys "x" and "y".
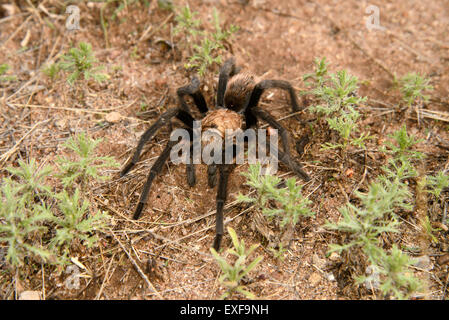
{"x": 141, "y": 273}
{"x": 11, "y": 151}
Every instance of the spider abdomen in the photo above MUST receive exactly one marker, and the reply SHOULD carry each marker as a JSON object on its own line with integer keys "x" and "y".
{"x": 222, "y": 120}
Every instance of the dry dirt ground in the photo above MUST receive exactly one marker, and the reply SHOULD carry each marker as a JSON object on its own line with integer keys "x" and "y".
{"x": 277, "y": 39}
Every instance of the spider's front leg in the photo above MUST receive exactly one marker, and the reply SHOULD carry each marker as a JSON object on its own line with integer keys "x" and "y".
{"x": 225, "y": 171}
{"x": 228, "y": 70}
{"x": 163, "y": 120}
{"x": 267, "y": 84}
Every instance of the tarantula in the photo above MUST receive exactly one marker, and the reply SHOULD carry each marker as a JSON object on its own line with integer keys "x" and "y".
{"x": 238, "y": 95}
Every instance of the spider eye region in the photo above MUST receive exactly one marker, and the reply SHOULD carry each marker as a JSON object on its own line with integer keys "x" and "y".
{"x": 238, "y": 91}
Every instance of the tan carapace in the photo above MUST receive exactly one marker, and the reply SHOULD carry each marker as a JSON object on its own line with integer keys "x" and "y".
{"x": 238, "y": 90}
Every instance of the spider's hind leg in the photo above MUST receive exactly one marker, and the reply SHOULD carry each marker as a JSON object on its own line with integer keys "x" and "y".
{"x": 154, "y": 171}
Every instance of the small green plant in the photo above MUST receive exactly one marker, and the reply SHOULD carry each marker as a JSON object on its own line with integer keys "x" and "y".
{"x": 437, "y": 183}
{"x": 234, "y": 273}
{"x": 338, "y": 103}
{"x": 29, "y": 208}
{"x": 203, "y": 56}
{"x": 291, "y": 204}
{"x": 279, "y": 252}
{"x": 186, "y": 22}
{"x": 376, "y": 216}
{"x": 428, "y": 230}
{"x": 367, "y": 223}
{"x": 21, "y": 225}
{"x": 400, "y": 165}
{"x": 73, "y": 223}
{"x": 394, "y": 274}
{"x": 413, "y": 86}
{"x": 264, "y": 185}
{"x": 87, "y": 164}
{"x": 3, "y": 69}
{"x": 51, "y": 70}
{"x": 206, "y": 46}
{"x": 81, "y": 62}
{"x": 319, "y": 76}
{"x": 346, "y": 125}
{"x": 401, "y": 145}
{"x": 32, "y": 179}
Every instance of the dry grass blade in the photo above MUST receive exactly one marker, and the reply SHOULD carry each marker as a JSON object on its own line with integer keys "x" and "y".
{"x": 11, "y": 151}
{"x": 433, "y": 114}
{"x": 138, "y": 269}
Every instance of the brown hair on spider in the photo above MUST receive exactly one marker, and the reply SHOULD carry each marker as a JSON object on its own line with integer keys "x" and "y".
{"x": 238, "y": 91}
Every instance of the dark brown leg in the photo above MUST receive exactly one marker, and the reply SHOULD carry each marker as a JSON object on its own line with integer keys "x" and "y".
{"x": 225, "y": 171}
{"x": 163, "y": 120}
{"x": 193, "y": 90}
{"x": 212, "y": 175}
{"x": 154, "y": 171}
{"x": 267, "y": 84}
{"x": 226, "y": 71}
{"x": 283, "y": 156}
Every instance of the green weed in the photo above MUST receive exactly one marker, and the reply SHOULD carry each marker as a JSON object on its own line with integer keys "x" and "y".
{"x": 22, "y": 225}
{"x": 73, "y": 224}
{"x": 413, "y": 86}
{"x": 87, "y": 165}
{"x": 4, "y": 78}
{"x": 338, "y": 103}
{"x": 234, "y": 273}
{"x": 436, "y": 184}
{"x": 376, "y": 216}
{"x": 393, "y": 270}
{"x": 80, "y": 62}
{"x": 36, "y": 222}
{"x": 291, "y": 204}
{"x": 205, "y": 46}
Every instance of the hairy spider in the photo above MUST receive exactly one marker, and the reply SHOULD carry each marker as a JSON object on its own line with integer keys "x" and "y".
{"x": 238, "y": 95}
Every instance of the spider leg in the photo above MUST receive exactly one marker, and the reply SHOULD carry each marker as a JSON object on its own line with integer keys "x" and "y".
{"x": 301, "y": 143}
{"x": 225, "y": 170}
{"x": 226, "y": 71}
{"x": 193, "y": 90}
{"x": 212, "y": 175}
{"x": 154, "y": 171}
{"x": 284, "y": 155}
{"x": 190, "y": 167}
{"x": 267, "y": 84}
{"x": 163, "y": 120}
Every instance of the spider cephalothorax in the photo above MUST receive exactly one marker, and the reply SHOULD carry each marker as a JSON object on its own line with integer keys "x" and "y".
{"x": 238, "y": 95}
{"x": 238, "y": 91}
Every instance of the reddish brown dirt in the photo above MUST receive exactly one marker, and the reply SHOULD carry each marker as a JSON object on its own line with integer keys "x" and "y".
{"x": 278, "y": 40}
